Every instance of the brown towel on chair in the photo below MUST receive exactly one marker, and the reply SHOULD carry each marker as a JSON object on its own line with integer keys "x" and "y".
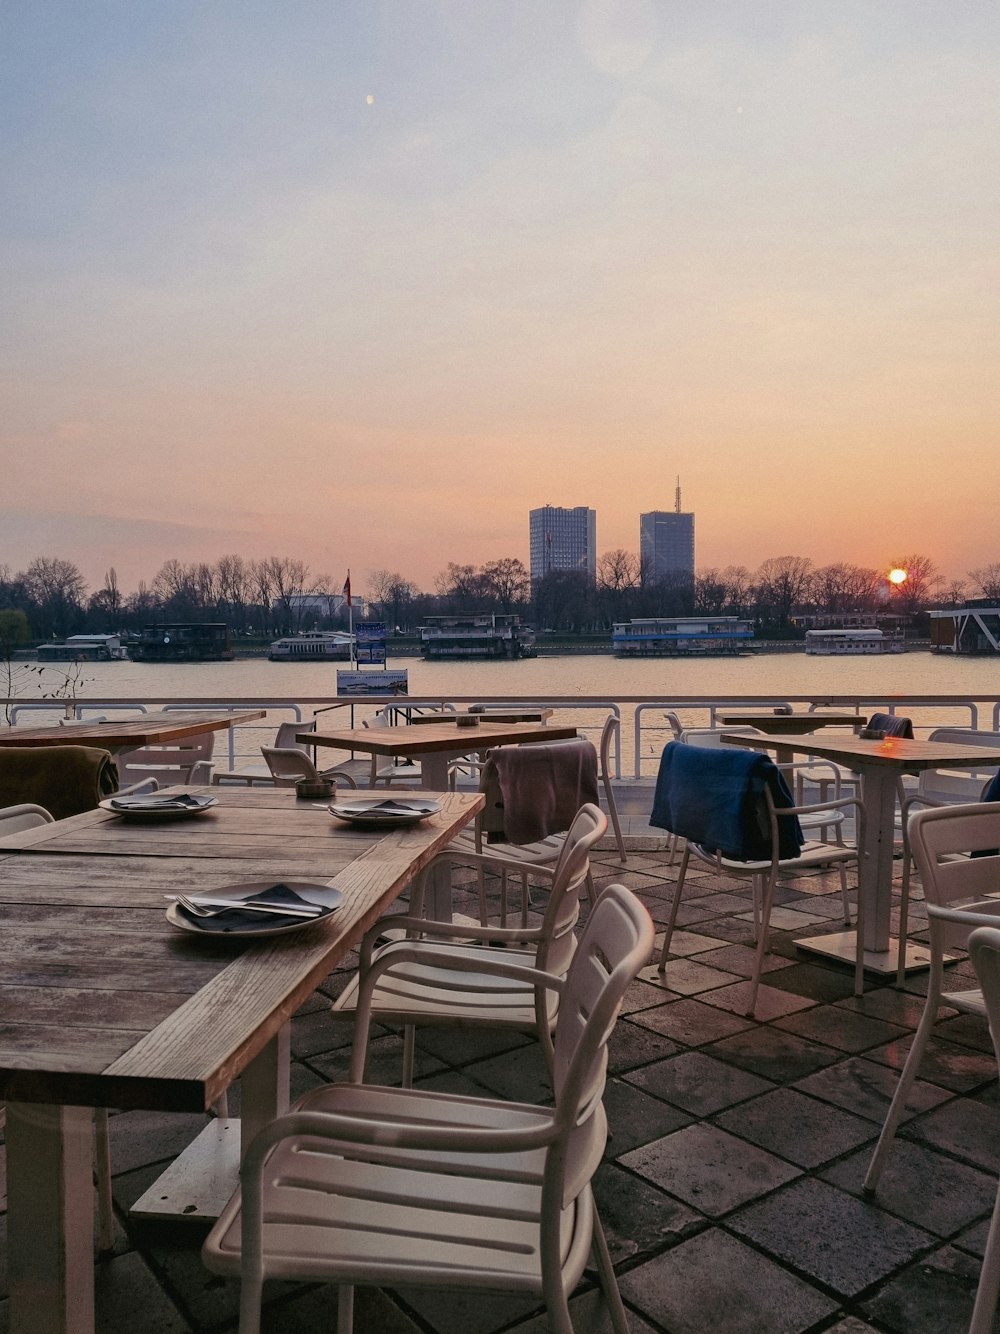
{"x": 543, "y": 786}
{"x": 64, "y": 779}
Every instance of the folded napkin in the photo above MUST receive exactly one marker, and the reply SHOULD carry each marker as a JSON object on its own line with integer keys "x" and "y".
{"x": 235, "y": 920}
{"x": 66, "y": 780}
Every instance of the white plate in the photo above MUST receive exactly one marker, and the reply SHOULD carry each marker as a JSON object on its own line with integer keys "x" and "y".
{"x": 384, "y": 811}
{"x": 164, "y": 811}
{"x": 325, "y": 895}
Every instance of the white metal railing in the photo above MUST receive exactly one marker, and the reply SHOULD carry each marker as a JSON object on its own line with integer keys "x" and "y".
{"x": 643, "y": 728}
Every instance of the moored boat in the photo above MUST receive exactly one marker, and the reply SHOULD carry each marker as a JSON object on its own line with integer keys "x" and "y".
{"x": 840, "y": 643}
{"x": 84, "y": 648}
{"x": 312, "y": 646}
{"x": 681, "y": 636}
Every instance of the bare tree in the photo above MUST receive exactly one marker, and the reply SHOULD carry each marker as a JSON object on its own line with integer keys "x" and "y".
{"x": 986, "y": 581}
{"x": 392, "y": 594}
{"x": 921, "y": 583}
{"x": 56, "y": 588}
{"x": 709, "y": 592}
{"x": 507, "y": 580}
{"x": 739, "y": 589}
{"x": 782, "y": 582}
{"x": 843, "y": 588}
{"x": 463, "y": 588}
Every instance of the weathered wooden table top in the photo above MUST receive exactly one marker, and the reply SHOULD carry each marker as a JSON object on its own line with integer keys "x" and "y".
{"x": 151, "y": 729}
{"x": 103, "y": 1003}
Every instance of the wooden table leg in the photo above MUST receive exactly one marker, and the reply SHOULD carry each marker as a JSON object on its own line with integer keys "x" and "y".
{"x": 264, "y": 1086}
{"x": 50, "y": 1210}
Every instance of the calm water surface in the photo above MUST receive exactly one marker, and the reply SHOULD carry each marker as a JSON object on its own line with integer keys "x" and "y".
{"x": 919, "y": 673}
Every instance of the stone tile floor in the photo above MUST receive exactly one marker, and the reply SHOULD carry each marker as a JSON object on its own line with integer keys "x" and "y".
{"x": 731, "y": 1190}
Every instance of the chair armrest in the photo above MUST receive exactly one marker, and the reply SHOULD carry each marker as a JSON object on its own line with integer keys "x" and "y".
{"x": 422, "y": 928}
{"x": 400, "y": 952}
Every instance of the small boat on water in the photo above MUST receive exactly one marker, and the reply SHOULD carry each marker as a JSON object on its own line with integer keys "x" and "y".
{"x": 84, "y": 648}
{"x": 313, "y": 646}
{"x": 840, "y": 643}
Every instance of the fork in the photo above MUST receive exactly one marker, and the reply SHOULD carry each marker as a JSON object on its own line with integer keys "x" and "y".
{"x": 201, "y": 910}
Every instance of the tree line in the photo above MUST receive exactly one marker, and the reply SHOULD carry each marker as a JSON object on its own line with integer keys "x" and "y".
{"x": 264, "y": 598}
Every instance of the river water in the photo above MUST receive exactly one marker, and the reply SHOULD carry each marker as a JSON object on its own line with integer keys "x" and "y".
{"x": 919, "y": 673}
{"x": 608, "y": 678}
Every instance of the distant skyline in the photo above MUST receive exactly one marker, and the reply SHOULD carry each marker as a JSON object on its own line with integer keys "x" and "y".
{"x": 364, "y": 283}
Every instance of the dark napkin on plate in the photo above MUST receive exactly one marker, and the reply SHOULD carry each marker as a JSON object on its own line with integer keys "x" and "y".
{"x": 154, "y": 802}
{"x": 236, "y": 920}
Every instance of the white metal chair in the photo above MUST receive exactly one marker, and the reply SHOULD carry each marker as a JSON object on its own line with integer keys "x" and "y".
{"x": 252, "y": 774}
{"x": 938, "y": 787}
{"x": 187, "y": 762}
{"x": 764, "y": 873}
{"x": 984, "y": 951}
{"x": 400, "y": 1187}
{"x": 489, "y": 838}
{"x": 287, "y": 765}
{"x": 957, "y": 889}
{"x": 13, "y": 819}
{"x": 392, "y": 770}
{"x": 470, "y": 996}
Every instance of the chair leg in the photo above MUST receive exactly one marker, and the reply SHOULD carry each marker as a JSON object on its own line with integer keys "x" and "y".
{"x": 251, "y": 1295}
{"x": 859, "y": 921}
{"x": 613, "y": 813}
{"x": 989, "y": 1279}
{"x": 608, "y": 1281}
{"x": 662, "y": 965}
{"x": 904, "y": 911}
{"x": 763, "y": 940}
{"x": 345, "y": 1309}
{"x": 898, "y": 1104}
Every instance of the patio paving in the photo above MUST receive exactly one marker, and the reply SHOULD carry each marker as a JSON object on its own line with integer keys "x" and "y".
{"x": 731, "y": 1189}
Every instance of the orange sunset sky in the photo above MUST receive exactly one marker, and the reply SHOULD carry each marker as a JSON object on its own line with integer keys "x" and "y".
{"x": 362, "y": 282}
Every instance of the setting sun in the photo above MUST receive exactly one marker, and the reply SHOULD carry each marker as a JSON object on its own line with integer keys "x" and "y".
{"x": 897, "y": 576}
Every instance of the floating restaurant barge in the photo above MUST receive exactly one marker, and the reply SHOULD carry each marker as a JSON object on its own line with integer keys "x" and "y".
{"x": 682, "y": 637}
{"x": 313, "y": 646}
{"x": 84, "y": 648}
{"x": 482, "y": 636}
{"x": 842, "y": 643}
{"x": 182, "y": 642}
{"x": 972, "y": 629}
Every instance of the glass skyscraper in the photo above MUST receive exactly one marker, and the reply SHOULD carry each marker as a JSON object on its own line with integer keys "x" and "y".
{"x": 563, "y": 539}
{"x": 666, "y": 546}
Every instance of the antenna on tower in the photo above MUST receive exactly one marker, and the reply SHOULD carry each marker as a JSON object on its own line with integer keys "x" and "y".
{"x": 677, "y": 496}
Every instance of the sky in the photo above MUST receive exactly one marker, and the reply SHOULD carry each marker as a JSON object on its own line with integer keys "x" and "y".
{"x": 362, "y": 282}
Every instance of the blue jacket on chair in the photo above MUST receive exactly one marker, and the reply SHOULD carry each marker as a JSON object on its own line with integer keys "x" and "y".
{"x": 715, "y": 798}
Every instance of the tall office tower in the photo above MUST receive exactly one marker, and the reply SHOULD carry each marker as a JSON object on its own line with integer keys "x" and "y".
{"x": 563, "y": 539}
{"x": 666, "y": 543}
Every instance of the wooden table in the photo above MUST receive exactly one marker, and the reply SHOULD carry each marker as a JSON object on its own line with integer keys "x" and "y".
{"x": 795, "y": 723}
{"x": 105, "y": 1005}
{"x": 498, "y": 715}
{"x": 880, "y": 763}
{"x": 150, "y": 729}
{"x": 433, "y": 745}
